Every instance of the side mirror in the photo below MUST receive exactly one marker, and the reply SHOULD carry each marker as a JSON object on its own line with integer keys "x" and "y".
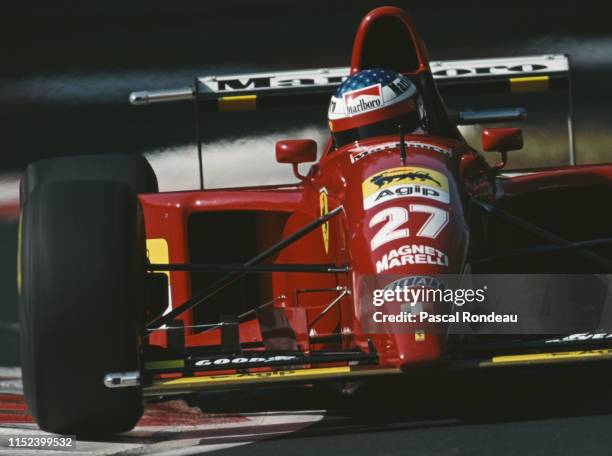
{"x": 501, "y": 140}
{"x": 296, "y": 151}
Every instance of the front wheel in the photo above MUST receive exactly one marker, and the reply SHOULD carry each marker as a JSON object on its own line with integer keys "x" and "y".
{"x": 81, "y": 304}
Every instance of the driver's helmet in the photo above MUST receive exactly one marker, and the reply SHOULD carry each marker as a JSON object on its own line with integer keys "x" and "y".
{"x": 374, "y": 102}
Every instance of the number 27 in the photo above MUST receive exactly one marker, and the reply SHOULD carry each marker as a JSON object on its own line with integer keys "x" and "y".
{"x": 395, "y": 217}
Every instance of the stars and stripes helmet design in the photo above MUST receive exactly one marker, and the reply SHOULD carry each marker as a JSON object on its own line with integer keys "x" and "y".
{"x": 374, "y": 102}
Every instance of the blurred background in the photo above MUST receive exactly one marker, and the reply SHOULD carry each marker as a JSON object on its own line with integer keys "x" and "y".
{"x": 68, "y": 67}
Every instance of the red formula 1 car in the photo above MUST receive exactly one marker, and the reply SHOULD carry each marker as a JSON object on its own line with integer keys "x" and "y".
{"x": 127, "y": 292}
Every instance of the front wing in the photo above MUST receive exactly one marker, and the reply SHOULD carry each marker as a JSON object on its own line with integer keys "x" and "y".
{"x": 187, "y": 375}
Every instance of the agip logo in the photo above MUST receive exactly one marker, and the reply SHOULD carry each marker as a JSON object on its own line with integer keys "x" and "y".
{"x": 404, "y": 182}
{"x": 363, "y": 100}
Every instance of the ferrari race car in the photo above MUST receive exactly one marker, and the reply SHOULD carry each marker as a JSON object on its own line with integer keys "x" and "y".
{"x": 127, "y": 292}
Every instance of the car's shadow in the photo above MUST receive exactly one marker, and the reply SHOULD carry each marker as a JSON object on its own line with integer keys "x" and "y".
{"x": 485, "y": 396}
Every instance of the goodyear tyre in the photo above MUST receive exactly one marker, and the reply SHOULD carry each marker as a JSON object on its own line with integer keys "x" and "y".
{"x": 82, "y": 254}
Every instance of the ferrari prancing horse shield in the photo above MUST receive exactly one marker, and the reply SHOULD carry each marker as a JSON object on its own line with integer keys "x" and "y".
{"x": 324, "y": 209}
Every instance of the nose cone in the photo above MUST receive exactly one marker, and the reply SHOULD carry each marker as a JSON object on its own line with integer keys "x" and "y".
{"x": 405, "y": 221}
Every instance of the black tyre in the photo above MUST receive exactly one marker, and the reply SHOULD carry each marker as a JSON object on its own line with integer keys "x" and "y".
{"x": 82, "y": 271}
{"x": 133, "y": 170}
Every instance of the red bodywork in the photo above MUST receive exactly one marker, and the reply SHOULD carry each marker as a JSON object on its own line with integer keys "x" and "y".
{"x": 337, "y": 179}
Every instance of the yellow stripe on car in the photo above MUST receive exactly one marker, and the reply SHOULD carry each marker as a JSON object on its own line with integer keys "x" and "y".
{"x": 548, "y": 357}
{"x": 157, "y": 251}
{"x": 210, "y": 382}
{"x": 250, "y": 376}
{"x": 238, "y": 103}
{"x": 529, "y": 84}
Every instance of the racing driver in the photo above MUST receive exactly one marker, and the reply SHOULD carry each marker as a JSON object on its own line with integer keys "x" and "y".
{"x": 375, "y": 102}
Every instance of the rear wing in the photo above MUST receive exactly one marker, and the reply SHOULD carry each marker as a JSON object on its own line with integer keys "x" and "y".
{"x": 291, "y": 89}
{"x": 314, "y": 87}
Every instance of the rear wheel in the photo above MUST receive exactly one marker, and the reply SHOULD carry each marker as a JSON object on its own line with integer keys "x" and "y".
{"x": 81, "y": 304}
